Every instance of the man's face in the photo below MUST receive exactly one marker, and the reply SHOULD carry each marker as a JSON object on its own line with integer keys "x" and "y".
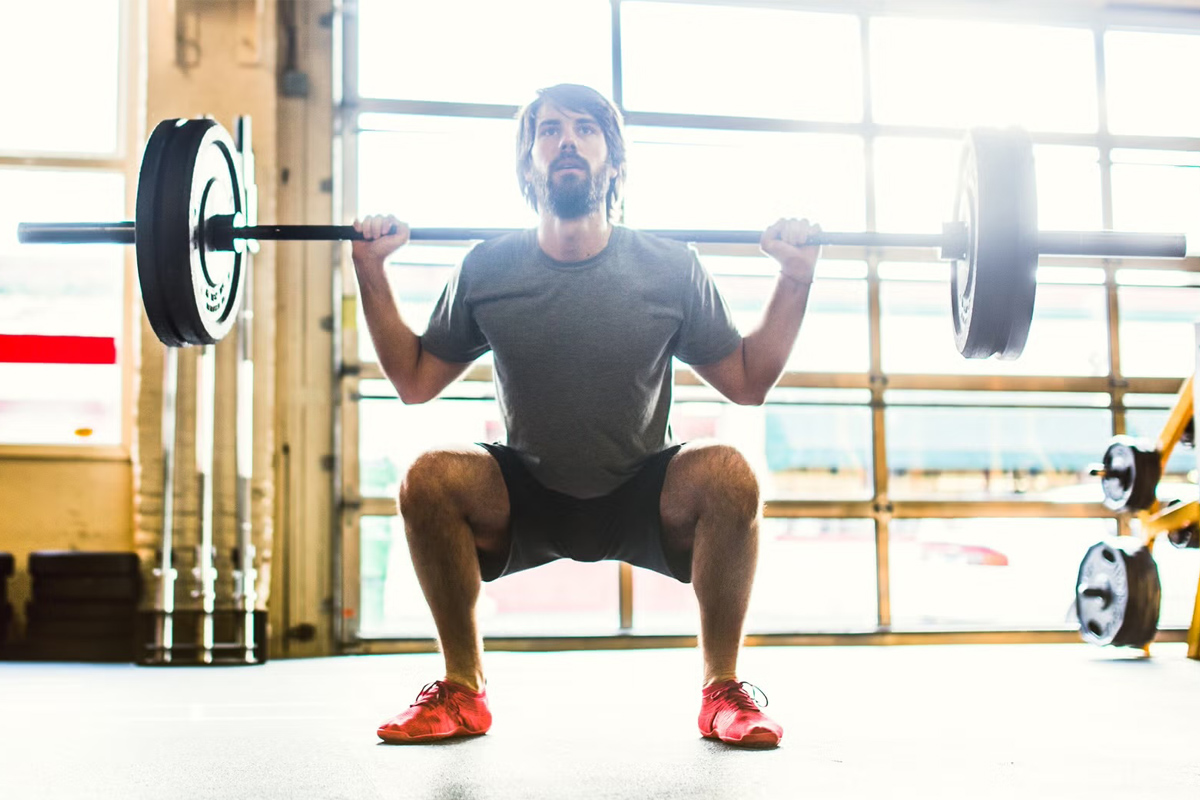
{"x": 569, "y": 167}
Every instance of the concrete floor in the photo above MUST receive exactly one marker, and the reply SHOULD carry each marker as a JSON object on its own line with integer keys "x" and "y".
{"x": 955, "y": 721}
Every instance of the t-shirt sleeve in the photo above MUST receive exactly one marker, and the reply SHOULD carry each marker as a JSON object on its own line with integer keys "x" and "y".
{"x": 452, "y": 333}
{"x": 708, "y": 332}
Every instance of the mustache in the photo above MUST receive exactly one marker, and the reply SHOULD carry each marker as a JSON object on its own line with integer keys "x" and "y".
{"x": 568, "y": 161}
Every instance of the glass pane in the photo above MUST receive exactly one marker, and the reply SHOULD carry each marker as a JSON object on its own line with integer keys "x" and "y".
{"x": 443, "y": 172}
{"x": 658, "y": 38}
{"x": 1179, "y": 479}
{"x": 481, "y": 51}
{"x": 801, "y": 450}
{"x": 708, "y": 179}
{"x": 563, "y": 598}
{"x": 814, "y": 575}
{"x": 1157, "y": 191}
{"x": 1051, "y": 87}
{"x": 988, "y": 574}
{"x": 1157, "y": 330}
{"x": 1179, "y": 574}
{"x": 57, "y": 104}
{"x": 69, "y": 391}
{"x": 835, "y": 334}
{"x": 1140, "y": 99}
{"x": 392, "y": 435}
{"x": 1068, "y": 188}
{"x": 915, "y": 182}
{"x": 1068, "y": 335}
{"x": 983, "y": 453}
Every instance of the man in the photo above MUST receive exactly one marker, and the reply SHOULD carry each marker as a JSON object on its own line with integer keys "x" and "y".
{"x": 583, "y": 318}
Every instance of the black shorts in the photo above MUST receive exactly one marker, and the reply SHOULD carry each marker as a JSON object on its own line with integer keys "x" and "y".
{"x": 545, "y": 525}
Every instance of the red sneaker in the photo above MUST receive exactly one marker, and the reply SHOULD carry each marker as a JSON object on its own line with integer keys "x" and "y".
{"x": 729, "y": 713}
{"x": 443, "y": 709}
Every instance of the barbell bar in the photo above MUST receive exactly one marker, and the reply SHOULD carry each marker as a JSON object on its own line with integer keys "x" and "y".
{"x": 190, "y": 237}
{"x": 952, "y": 242}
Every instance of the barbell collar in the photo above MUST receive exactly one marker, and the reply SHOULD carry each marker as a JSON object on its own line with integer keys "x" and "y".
{"x": 75, "y": 233}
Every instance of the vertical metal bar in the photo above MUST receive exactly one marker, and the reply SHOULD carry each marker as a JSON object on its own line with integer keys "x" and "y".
{"x": 246, "y": 576}
{"x": 164, "y": 620}
{"x": 205, "y": 412}
{"x": 618, "y": 75}
{"x": 879, "y": 462}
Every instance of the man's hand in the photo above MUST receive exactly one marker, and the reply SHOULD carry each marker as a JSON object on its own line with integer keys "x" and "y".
{"x": 785, "y": 242}
{"x": 382, "y": 236}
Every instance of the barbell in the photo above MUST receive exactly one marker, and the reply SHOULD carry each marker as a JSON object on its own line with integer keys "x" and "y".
{"x": 194, "y": 218}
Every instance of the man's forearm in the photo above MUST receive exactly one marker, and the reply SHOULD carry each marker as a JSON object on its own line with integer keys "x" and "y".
{"x": 398, "y": 348}
{"x": 767, "y": 347}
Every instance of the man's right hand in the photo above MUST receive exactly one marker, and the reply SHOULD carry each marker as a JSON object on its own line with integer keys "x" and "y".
{"x": 382, "y": 236}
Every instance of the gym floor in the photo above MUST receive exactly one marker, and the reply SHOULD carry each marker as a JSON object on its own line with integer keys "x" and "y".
{"x": 953, "y": 721}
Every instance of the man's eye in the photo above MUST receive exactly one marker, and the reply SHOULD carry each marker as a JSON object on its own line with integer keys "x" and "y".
{"x": 548, "y": 131}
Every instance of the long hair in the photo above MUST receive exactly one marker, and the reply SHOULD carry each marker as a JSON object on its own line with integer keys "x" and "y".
{"x": 581, "y": 100}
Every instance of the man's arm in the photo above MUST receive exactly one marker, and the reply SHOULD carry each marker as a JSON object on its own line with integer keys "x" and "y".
{"x": 418, "y": 375}
{"x": 748, "y": 373}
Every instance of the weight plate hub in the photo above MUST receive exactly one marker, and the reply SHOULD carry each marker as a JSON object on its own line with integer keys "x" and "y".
{"x": 189, "y": 175}
{"x": 1131, "y": 474}
{"x": 992, "y": 289}
{"x": 1118, "y": 594}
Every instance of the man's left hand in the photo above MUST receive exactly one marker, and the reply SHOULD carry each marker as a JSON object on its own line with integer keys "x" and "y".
{"x": 785, "y": 241}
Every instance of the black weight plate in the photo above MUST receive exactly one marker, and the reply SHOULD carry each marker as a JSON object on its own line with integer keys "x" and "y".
{"x": 122, "y": 628}
{"x": 120, "y": 649}
{"x": 6, "y": 564}
{"x": 71, "y": 562}
{"x": 1118, "y": 594}
{"x": 189, "y": 174}
{"x": 150, "y": 195}
{"x": 87, "y": 610}
{"x": 1132, "y": 470}
{"x": 70, "y": 588}
{"x": 992, "y": 291}
{"x": 204, "y": 286}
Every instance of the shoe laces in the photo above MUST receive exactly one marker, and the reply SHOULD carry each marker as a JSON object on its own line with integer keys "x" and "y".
{"x": 430, "y": 693}
{"x": 737, "y": 696}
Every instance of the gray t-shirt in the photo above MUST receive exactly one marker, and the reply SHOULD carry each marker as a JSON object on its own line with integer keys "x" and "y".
{"x": 583, "y": 350}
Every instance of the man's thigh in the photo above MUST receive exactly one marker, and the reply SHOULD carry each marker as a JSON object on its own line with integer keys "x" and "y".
{"x": 700, "y": 475}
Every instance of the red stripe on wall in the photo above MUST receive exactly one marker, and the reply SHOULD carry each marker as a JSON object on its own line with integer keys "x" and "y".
{"x": 57, "y": 349}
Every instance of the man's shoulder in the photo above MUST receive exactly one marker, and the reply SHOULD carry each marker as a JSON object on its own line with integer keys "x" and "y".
{"x": 500, "y": 248}
{"x": 653, "y": 246}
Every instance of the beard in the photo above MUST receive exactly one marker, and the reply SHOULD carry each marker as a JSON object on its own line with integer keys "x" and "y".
{"x": 569, "y": 196}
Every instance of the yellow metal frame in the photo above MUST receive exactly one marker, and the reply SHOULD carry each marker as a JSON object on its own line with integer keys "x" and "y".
{"x": 1160, "y": 519}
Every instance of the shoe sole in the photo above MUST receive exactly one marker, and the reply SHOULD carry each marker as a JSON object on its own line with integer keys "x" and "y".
{"x": 761, "y": 739}
{"x": 396, "y": 737}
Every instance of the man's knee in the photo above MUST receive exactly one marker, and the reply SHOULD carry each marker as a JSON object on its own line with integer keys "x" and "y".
{"x": 714, "y": 477}
{"x": 459, "y": 483}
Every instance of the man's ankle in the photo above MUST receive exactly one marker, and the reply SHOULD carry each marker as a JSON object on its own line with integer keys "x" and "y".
{"x": 474, "y": 682}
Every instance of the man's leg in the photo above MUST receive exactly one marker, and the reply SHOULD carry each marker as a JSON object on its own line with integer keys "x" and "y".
{"x": 710, "y": 504}
{"x": 452, "y": 502}
{"x": 710, "y": 507}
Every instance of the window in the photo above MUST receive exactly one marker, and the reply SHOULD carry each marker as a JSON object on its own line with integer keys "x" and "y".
{"x": 730, "y": 125}
{"x": 62, "y": 309}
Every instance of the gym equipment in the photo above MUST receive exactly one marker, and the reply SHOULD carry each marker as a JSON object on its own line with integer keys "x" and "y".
{"x": 1129, "y": 474}
{"x": 1117, "y": 586}
{"x": 195, "y": 220}
{"x": 1117, "y": 595}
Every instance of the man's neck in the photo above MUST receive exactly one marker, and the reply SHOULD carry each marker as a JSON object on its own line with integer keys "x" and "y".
{"x": 573, "y": 239}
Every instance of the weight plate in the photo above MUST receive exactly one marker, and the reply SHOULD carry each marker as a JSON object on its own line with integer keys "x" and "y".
{"x": 1131, "y": 474}
{"x": 189, "y": 174}
{"x": 70, "y": 562}
{"x": 1118, "y": 594}
{"x": 146, "y": 244}
{"x": 6, "y": 565}
{"x": 72, "y": 588}
{"x": 992, "y": 290}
